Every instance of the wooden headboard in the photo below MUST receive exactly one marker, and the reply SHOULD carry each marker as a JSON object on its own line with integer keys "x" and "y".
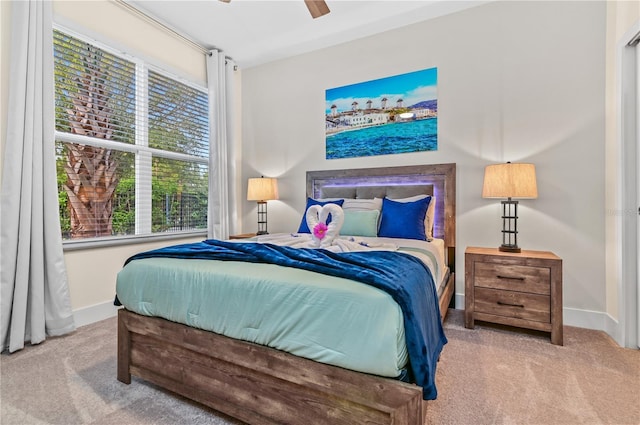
{"x": 441, "y": 177}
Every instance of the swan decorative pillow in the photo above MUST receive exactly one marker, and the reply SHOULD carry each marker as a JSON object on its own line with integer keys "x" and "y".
{"x": 323, "y": 229}
{"x": 304, "y": 228}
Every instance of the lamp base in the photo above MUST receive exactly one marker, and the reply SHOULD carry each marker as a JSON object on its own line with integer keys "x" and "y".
{"x": 262, "y": 218}
{"x": 509, "y": 226}
{"x": 509, "y": 248}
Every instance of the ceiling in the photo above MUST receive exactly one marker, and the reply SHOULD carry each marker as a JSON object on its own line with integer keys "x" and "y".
{"x": 254, "y": 32}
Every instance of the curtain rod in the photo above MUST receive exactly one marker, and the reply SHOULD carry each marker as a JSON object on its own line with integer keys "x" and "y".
{"x": 161, "y": 25}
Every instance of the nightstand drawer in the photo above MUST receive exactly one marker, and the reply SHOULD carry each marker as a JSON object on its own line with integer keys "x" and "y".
{"x": 513, "y": 304}
{"x": 535, "y": 280}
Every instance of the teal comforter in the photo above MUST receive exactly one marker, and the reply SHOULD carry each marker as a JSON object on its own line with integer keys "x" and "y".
{"x": 405, "y": 278}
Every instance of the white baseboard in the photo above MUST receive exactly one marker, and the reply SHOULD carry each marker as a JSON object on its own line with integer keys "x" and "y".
{"x": 613, "y": 328}
{"x": 94, "y": 313}
{"x": 459, "y": 301}
{"x": 584, "y": 318}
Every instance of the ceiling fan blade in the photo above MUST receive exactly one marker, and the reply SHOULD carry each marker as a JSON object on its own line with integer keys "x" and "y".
{"x": 317, "y": 8}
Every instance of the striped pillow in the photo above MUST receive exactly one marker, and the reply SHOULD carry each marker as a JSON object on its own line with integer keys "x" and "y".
{"x": 362, "y": 204}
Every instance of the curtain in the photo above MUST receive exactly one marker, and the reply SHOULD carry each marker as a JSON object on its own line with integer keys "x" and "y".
{"x": 222, "y": 188}
{"x": 34, "y": 291}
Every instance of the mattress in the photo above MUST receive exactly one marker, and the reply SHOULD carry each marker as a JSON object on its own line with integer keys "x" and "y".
{"x": 328, "y": 319}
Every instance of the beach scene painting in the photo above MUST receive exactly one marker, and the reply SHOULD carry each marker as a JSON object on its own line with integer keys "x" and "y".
{"x": 392, "y": 115}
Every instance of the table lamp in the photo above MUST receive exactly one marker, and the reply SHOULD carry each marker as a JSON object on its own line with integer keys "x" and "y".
{"x": 262, "y": 189}
{"x": 510, "y": 181}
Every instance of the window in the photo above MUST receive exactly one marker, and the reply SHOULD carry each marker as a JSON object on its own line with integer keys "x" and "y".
{"x": 132, "y": 145}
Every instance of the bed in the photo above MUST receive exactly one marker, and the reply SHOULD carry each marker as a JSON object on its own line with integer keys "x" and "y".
{"x": 259, "y": 384}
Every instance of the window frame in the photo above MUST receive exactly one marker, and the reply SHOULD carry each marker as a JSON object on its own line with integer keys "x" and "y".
{"x": 143, "y": 153}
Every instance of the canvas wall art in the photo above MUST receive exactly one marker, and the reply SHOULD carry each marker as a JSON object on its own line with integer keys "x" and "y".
{"x": 392, "y": 115}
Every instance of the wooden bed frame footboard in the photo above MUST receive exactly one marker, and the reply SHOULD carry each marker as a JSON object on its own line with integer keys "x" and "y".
{"x": 257, "y": 384}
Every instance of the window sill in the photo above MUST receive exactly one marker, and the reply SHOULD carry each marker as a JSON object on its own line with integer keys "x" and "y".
{"x": 93, "y": 243}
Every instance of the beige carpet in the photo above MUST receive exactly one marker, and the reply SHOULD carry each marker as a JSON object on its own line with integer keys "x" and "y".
{"x": 488, "y": 375}
{"x": 492, "y": 375}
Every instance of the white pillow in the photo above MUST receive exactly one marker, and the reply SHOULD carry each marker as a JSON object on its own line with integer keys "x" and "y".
{"x": 429, "y": 216}
{"x": 362, "y": 204}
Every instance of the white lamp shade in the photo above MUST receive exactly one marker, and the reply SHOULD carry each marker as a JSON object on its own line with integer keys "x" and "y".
{"x": 510, "y": 181}
{"x": 262, "y": 189}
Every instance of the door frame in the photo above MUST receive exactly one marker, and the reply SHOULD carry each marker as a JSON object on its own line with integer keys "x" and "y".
{"x": 627, "y": 228}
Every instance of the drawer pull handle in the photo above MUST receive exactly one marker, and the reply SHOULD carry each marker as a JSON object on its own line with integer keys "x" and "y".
{"x": 510, "y": 277}
{"x": 510, "y": 305}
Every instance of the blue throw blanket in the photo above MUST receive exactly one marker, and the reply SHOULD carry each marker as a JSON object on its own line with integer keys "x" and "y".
{"x": 404, "y": 277}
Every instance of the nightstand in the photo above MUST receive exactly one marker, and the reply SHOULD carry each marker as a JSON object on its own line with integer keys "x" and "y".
{"x": 243, "y": 236}
{"x": 515, "y": 289}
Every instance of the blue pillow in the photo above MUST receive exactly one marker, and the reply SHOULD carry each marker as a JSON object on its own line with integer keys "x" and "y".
{"x": 303, "y": 224}
{"x": 403, "y": 219}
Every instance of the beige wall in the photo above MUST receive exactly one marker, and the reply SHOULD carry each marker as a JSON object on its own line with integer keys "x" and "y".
{"x": 621, "y": 17}
{"x": 517, "y": 81}
{"x": 131, "y": 34}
